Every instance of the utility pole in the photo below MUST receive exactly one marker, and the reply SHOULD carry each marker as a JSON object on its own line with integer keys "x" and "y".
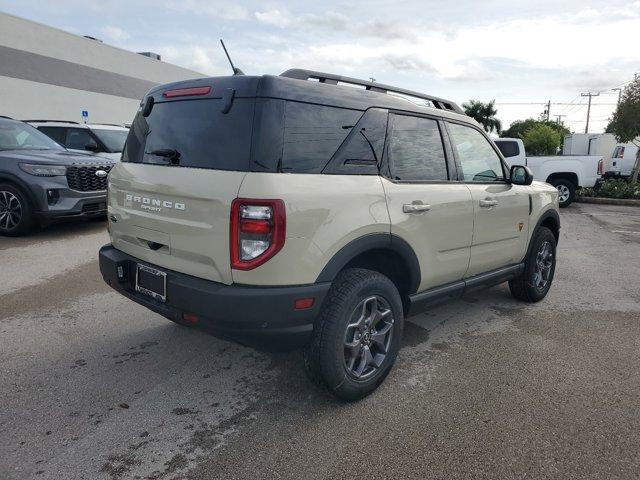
{"x": 559, "y": 119}
{"x": 619, "y": 90}
{"x": 548, "y": 109}
{"x": 589, "y": 94}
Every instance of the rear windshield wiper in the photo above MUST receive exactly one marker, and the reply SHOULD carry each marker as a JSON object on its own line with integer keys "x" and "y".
{"x": 170, "y": 153}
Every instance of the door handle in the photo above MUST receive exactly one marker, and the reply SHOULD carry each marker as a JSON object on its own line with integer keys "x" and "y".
{"x": 488, "y": 203}
{"x": 415, "y": 207}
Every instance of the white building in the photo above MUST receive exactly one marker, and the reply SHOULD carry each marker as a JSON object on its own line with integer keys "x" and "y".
{"x": 46, "y": 73}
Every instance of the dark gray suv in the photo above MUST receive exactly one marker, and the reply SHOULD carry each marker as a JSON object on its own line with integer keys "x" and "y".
{"x": 41, "y": 182}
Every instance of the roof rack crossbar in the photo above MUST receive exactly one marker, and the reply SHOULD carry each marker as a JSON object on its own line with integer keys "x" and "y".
{"x": 58, "y": 121}
{"x": 329, "y": 78}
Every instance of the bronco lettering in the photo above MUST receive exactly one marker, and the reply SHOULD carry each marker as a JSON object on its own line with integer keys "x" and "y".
{"x": 155, "y": 202}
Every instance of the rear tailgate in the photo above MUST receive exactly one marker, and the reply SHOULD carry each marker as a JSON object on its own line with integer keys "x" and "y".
{"x": 184, "y": 160}
{"x": 177, "y": 218}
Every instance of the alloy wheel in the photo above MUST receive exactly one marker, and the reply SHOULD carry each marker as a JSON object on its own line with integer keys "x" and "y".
{"x": 563, "y": 193}
{"x": 544, "y": 266}
{"x": 368, "y": 337}
{"x": 10, "y": 210}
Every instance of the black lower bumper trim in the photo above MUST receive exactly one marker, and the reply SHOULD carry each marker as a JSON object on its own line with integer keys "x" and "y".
{"x": 261, "y": 316}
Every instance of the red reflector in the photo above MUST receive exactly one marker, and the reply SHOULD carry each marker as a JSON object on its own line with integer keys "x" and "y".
{"x": 190, "y": 317}
{"x": 256, "y": 227}
{"x": 187, "y": 92}
{"x": 302, "y": 303}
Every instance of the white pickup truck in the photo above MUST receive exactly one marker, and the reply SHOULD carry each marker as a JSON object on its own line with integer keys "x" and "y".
{"x": 565, "y": 172}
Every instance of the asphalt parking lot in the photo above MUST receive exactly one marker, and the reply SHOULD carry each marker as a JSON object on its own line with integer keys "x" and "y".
{"x": 94, "y": 386}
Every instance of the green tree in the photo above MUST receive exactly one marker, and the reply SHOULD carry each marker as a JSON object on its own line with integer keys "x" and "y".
{"x": 518, "y": 128}
{"x": 541, "y": 140}
{"x": 484, "y": 114}
{"x": 625, "y": 123}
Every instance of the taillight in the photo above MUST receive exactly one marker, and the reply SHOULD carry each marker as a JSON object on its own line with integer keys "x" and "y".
{"x": 600, "y": 167}
{"x": 257, "y": 231}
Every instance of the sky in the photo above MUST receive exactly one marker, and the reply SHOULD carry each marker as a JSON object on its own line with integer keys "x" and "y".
{"x": 520, "y": 53}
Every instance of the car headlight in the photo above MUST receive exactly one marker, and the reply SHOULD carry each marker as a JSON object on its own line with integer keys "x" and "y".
{"x": 43, "y": 170}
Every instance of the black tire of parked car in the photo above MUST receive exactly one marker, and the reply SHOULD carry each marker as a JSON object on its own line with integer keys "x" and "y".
{"x": 565, "y": 186}
{"x": 529, "y": 286}
{"x": 16, "y": 217}
{"x": 356, "y": 294}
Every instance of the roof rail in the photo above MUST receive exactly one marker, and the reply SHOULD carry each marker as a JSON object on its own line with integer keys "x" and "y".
{"x": 331, "y": 79}
{"x": 59, "y": 121}
{"x": 4, "y": 116}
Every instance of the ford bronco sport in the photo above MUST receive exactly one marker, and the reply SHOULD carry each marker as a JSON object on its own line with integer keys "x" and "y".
{"x": 297, "y": 209}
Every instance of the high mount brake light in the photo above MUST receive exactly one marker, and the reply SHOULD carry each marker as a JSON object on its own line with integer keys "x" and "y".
{"x": 257, "y": 231}
{"x": 187, "y": 92}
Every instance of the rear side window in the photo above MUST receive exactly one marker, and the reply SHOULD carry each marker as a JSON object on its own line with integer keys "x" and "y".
{"x": 478, "y": 159}
{"x": 508, "y": 148}
{"x": 197, "y": 130}
{"x": 312, "y": 134}
{"x": 361, "y": 152}
{"x": 59, "y": 134}
{"x": 416, "y": 151}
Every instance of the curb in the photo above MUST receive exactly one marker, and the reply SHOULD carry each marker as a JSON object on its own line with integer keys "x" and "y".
{"x": 609, "y": 201}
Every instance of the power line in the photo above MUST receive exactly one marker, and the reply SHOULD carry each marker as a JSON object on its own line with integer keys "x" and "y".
{"x": 554, "y": 103}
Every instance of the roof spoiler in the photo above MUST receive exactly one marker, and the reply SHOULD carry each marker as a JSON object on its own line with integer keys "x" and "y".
{"x": 331, "y": 79}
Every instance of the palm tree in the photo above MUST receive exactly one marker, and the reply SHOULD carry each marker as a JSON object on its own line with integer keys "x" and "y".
{"x": 484, "y": 114}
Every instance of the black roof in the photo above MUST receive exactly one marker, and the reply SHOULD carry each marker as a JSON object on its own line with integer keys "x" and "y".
{"x": 327, "y": 89}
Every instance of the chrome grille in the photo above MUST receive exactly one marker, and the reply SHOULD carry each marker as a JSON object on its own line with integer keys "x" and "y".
{"x": 84, "y": 179}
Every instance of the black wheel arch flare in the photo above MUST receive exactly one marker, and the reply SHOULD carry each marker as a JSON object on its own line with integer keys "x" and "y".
{"x": 370, "y": 242}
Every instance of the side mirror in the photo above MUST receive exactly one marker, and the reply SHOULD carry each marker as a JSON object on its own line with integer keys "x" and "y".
{"x": 521, "y": 175}
{"x": 91, "y": 146}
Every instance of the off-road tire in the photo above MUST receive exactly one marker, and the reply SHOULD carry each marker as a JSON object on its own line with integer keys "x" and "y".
{"x": 568, "y": 185}
{"x": 523, "y": 287}
{"x": 26, "y": 223}
{"x": 324, "y": 357}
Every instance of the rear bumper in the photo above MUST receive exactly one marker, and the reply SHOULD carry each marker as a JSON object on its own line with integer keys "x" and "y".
{"x": 260, "y": 316}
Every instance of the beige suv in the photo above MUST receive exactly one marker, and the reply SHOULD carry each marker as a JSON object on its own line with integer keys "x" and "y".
{"x": 299, "y": 211}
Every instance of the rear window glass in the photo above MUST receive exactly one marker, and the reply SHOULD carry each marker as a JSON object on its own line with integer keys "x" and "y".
{"x": 416, "y": 152}
{"x": 508, "y": 149}
{"x": 197, "y": 130}
{"x": 312, "y": 134}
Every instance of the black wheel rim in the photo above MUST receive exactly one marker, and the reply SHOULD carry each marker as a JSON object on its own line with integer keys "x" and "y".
{"x": 10, "y": 210}
{"x": 544, "y": 266}
{"x": 368, "y": 337}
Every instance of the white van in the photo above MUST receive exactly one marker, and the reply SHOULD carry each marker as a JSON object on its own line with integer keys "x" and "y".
{"x": 622, "y": 161}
